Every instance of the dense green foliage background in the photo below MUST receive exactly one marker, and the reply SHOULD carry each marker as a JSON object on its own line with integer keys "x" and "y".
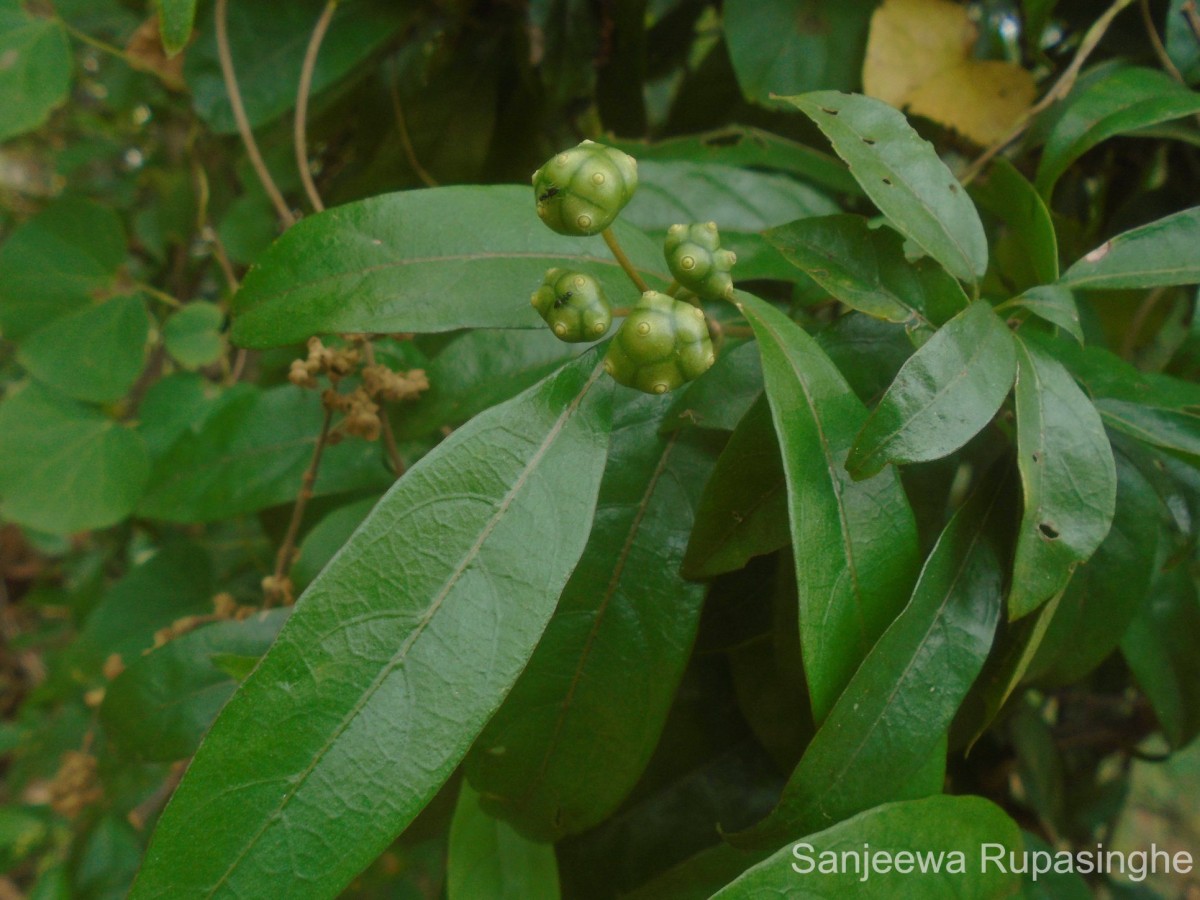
{"x": 914, "y": 563}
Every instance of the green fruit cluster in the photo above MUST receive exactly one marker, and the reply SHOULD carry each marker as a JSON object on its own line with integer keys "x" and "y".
{"x": 662, "y": 344}
{"x": 697, "y": 262}
{"x": 581, "y": 191}
{"x": 573, "y": 305}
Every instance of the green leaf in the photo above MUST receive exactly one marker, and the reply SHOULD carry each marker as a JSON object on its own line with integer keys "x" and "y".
{"x": 948, "y": 832}
{"x": 95, "y": 354}
{"x": 59, "y": 261}
{"x": 1126, "y": 99}
{"x": 743, "y": 147}
{"x": 1050, "y": 885}
{"x": 897, "y": 707}
{"x": 903, "y": 175}
{"x": 160, "y": 706}
{"x": 175, "y": 19}
{"x": 65, "y": 467}
{"x": 178, "y": 403}
{"x": 866, "y": 269}
{"x": 1160, "y": 648}
{"x": 721, "y": 397}
{"x": 743, "y": 511}
{"x": 327, "y": 537}
{"x": 1006, "y": 193}
{"x": 477, "y": 370}
{"x": 1159, "y": 254}
{"x": 35, "y": 68}
{"x": 1068, "y": 479}
{"x": 785, "y": 46}
{"x": 942, "y": 397}
{"x": 1175, "y": 430}
{"x": 250, "y": 453}
{"x": 868, "y": 352}
{"x": 177, "y": 581}
{"x": 1108, "y": 590}
{"x": 489, "y": 859}
{"x": 192, "y": 335}
{"x": 394, "y": 658}
{"x": 384, "y": 265}
{"x": 1182, "y": 44}
{"x": 538, "y": 763}
{"x": 267, "y": 43}
{"x": 1054, "y": 304}
{"x": 855, "y": 542}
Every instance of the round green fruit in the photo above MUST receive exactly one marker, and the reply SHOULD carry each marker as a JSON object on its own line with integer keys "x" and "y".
{"x": 581, "y": 191}
{"x": 573, "y": 305}
{"x": 662, "y": 344}
{"x": 697, "y": 262}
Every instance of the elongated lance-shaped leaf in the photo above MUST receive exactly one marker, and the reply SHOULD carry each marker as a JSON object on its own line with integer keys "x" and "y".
{"x": 900, "y": 702}
{"x": 1053, "y": 303}
{"x": 942, "y": 834}
{"x": 394, "y": 658}
{"x": 385, "y": 265}
{"x": 743, "y": 511}
{"x": 866, "y": 269}
{"x": 612, "y": 656}
{"x": 941, "y": 398}
{"x": 488, "y": 860}
{"x": 175, "y": 18}
{"x": 1068, "y": 477}
{"x": 901, "y": 172}
{"x": 1155, "y": 255}
{"x": 1028, "y": 252}
{"x": 855, "y": 542}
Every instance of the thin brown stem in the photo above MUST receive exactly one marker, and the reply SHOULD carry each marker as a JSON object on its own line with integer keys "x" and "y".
{"x": 673, "y": 287}
{"x": 389, "y": 438}
{"x": 405, "y": 141}
{"x": 283, "y": 560}
{"x": 1192, "y": 17}
{"x": 619, "y": 255}
{"x": 300, "y": 132}
{"x": 1058, "y": 91}
{"x": 239, "y": 116}
{"x": 1156, "y": 42}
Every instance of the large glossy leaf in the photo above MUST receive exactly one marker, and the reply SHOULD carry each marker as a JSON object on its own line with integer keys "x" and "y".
{"x": 1068, "y": 479}
{"x": 1177, "y": 431}
{"x": 161, "y": 705}
{"x": 1154, "y": 255}
{"x": 386, "y": 265}
{"x": 95, "y": 353}
{"x": 35, "y": 68}
{"x": 489, "y": 860}
{"x": 743, "y": 511}
{"x": 175, "y": 18}
{"x": 480, "y": 369}
{"x": 723, "y": 395}
{"x": 1125, "y": 99}
{"x": 250, "y": 453}
{"x": 394, "y": 658}
{"x": 919, "y": 835}
{"x": 737, "y": 145}
{"x": 267, "y": 42}
{"x": 66, "y": 467}
{"x": 1160, "y": 648}
{"x": 613, "y": 654}
{"x": 903, "y": 175}
{"x": 57, "y": 262}
{"x": 784, "y": 46}
{"x": 1107, "y": 591}
{"x": 1005, "y": 192}
{"x": 866, "y": 269}
{"x": 896, "y": 709}
{"x": 855, "y": 542}
{"x": 941, "y": 398}
{"x": 1182, "y": 44}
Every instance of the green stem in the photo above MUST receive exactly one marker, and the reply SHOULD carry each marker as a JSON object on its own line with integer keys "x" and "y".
{"x": 619, "y": 255}
{"x": 673, "y": 287}
{"x": 103, "y": 46}
{"x": 157, "y": 294}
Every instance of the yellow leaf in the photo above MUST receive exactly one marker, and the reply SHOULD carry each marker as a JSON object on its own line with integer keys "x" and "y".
{"x": 919, "y": 57}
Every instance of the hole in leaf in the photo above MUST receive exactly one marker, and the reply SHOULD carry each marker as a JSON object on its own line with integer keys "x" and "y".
{"x": 869, "y": 142}
{"x": 954, "y": 188}
{"x": 1049, "y": 532}
{"x": 887, "y": 181}
{"x": 828, "y": 111}
{"x": 1037, "y": 457}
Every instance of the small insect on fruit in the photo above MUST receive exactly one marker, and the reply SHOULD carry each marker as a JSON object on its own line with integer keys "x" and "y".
{"x": 573, "y": 305}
